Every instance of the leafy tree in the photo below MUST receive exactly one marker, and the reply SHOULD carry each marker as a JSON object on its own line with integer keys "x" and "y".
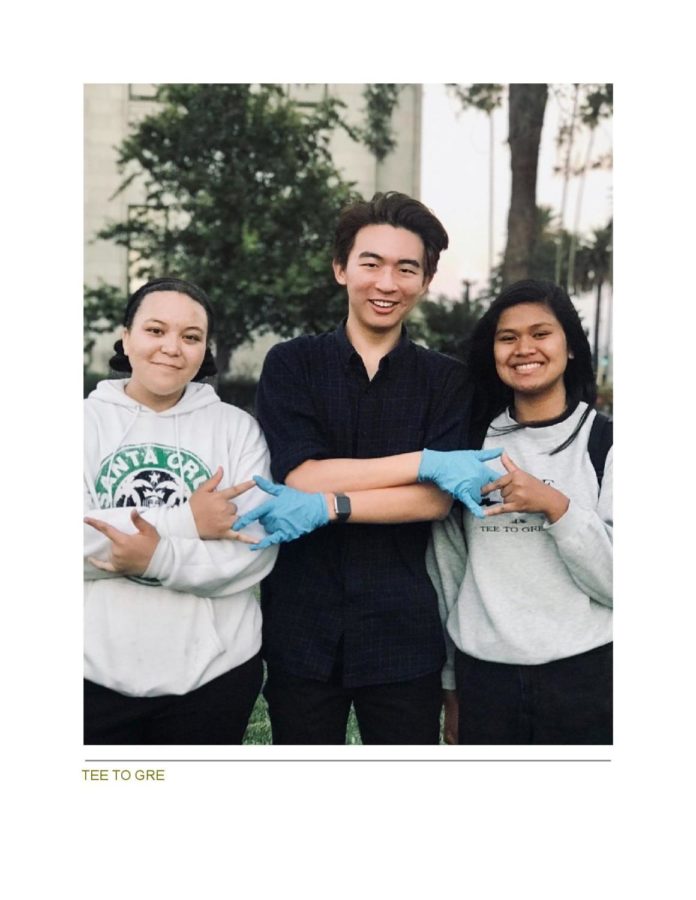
{"x": 103, "y": 308}
{"x": 380, "y": 102}
{"x": 446, "y": 324}
{"x": 542, "y": 259}
{"x": 542, "y": 256}
{"x": 486, "y": 97}
{"x": 241, "y": 197}
{"x": 597, "y": 104}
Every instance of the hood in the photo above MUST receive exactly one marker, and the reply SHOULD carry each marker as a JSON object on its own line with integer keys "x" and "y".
{"x": 196, "y": 396}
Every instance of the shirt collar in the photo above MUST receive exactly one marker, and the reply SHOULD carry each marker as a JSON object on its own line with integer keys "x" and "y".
{"x": 347, "y": 350}
{"x": 566, "y": 414}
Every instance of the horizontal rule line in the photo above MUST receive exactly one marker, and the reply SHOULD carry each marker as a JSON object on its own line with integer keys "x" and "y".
{"x": 335, "y": 760}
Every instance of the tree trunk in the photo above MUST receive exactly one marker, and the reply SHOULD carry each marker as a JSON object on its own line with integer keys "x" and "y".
{"x": 527, "y": 103}
{"x": 597, "y": 320}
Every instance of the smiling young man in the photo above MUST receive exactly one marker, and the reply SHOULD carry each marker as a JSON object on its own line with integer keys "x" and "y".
{"x": 350, "y": 615}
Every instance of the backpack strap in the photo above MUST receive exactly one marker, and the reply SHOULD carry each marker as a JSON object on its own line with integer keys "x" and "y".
{"x": 599, "y": 442}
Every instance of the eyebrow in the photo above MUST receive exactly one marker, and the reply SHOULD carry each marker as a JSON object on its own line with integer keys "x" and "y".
{"x": 186, "y": 327}
{"x": 400, "y": 262}
{"x": 535, "y": 325}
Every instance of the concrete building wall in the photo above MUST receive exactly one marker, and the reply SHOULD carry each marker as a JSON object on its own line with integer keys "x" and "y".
{"x": 112, "y": 109}
{"x": 106, "y": 120}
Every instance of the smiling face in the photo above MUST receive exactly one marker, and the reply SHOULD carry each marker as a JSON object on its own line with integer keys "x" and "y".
{"x": 384, "y": 277}
{"x": 165, "y": 346}
{"x": 531, "y": 353}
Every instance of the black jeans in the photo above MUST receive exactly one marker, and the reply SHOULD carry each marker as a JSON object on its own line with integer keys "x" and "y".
{"x": 567, "y": 701}
{"x": 307, "y": 711}
{"x": 215, "y": 713}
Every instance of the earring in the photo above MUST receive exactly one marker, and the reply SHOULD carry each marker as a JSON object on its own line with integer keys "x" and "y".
{"x": 571, "y": 355}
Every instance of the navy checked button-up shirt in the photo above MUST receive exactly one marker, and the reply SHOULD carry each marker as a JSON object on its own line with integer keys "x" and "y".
{"x": 360, "y": 587}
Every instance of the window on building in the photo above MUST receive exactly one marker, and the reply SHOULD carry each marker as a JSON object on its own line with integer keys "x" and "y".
{"x": 142, "y": 91}
{"x": 307, "y": 94}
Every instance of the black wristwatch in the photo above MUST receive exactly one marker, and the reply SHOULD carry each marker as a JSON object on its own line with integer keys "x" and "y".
{"x": 341, "y": 507}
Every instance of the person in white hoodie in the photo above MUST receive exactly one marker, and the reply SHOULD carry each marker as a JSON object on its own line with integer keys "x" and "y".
{"x": 526, "y": 590}
{"x": 172, "y": 625}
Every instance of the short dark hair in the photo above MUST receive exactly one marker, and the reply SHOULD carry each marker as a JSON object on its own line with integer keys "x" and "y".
{"x": 399, "y": 210}
{"x": 119, "y": 362}
{"x": 492, "y": 396}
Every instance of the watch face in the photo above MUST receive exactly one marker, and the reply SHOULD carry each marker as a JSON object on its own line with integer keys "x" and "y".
{"x": 342, "y": 506}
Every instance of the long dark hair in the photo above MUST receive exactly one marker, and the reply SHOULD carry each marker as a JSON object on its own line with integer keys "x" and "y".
{"x": 491, "y": 396}
{"x": 119, "y": 362}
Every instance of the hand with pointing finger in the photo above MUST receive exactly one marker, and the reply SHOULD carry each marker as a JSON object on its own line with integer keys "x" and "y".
{"x": 130, "y": 553}
{"x": 213, "y": 510}
{"x": 287, "y": 515}
{"x": 522, "y": 492}
{"x": 461, "y": 473}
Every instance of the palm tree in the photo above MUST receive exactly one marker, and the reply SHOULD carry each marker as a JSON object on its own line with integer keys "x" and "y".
{"x": 592, "y": 270}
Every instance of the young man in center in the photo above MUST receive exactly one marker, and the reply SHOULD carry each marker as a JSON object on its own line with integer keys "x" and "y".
{"x": 349, "y": 613}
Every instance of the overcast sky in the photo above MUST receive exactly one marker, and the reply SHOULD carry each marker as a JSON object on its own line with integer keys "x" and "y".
{"x": 455, "y": 179}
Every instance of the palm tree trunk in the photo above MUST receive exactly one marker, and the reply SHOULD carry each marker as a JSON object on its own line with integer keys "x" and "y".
{"x": 564, "y": 195}
{"x": 598, "y": 310}
{"x": 578, "y": 211}
{"x": 527, "y": 103}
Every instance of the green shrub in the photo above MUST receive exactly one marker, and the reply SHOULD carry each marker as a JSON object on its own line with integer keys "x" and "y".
{"x": 239, "y": 392}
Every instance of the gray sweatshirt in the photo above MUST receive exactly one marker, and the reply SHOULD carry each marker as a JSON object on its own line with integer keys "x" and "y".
{"x": 514, "y": 588}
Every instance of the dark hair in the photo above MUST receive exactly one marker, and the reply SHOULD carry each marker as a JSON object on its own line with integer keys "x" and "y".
{"x": 395, "y": 209}
{"x": 491, "y": 396}
{"x": 119, "y": 362}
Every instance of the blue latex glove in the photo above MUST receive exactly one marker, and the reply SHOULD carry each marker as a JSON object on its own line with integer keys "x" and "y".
{"x": 460, "y": 473}
{"x": 286, "y": 516}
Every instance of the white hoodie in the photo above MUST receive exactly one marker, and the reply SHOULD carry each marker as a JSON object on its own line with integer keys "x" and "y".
{"x": 193, "y": 615}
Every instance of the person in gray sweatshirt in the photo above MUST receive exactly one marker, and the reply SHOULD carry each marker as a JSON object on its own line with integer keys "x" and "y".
{"x": 526, "y": 591}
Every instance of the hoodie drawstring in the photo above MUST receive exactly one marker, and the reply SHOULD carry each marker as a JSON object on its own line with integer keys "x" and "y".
{"x": 178, "y": 458}
{"x": 119, "y": 444}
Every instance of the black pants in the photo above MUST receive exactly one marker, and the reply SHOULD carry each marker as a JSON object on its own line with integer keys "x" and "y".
{"x": 216, "y": 713}
{"x": 567, "y": 701}
{"x": 306, "y": 711}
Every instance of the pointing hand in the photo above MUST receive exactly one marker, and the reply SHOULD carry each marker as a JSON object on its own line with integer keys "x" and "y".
{"x": 461, "y": 473}
{"x": 130, "y": 553}
{"x": 287, "y": 515}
